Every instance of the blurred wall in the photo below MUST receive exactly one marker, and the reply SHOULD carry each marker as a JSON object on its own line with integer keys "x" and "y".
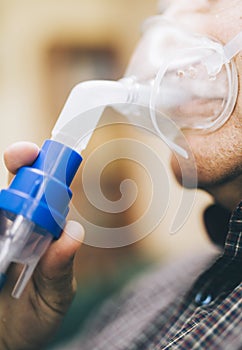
{"x": 31, "y": 30}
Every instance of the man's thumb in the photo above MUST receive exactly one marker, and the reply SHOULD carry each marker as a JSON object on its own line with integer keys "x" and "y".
{"x": 53, "y": 277}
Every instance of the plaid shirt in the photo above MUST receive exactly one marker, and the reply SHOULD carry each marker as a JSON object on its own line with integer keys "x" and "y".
{"x": 157, "y": 312}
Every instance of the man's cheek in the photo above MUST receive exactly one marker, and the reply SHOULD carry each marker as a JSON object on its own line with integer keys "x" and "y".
{"x": 238, "y": 107}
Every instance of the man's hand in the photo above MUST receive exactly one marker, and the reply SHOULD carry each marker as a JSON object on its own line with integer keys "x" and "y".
{"x": 28, "y": 322}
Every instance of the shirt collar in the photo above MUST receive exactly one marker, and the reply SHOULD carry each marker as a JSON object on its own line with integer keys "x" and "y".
{"x": 233, "y": 243}
{"x": 225, "y": 229}
{"x": 225, "y": 274}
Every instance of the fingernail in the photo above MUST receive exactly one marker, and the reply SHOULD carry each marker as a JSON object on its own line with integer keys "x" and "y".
{"x": 75, "y": 230}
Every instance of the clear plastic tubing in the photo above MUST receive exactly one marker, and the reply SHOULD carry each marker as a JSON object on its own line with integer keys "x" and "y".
{"x": 87, "y": 102}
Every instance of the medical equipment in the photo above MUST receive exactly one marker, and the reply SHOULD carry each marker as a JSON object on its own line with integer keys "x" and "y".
{"x": 185, "y": 82}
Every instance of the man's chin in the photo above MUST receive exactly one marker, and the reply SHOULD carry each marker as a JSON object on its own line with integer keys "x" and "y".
{"x": 226, "y": 190}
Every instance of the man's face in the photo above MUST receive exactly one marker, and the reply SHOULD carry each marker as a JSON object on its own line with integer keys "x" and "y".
{"x": 219, "y": 154}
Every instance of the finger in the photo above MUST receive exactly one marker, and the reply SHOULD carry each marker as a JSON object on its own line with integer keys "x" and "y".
{"x": 20, "y": 154}
{"x": 61, "y": 252}
{"x": 54, "y": 275}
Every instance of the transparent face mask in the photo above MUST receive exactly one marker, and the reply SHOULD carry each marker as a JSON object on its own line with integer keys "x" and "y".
{"x": 192, "y": 78}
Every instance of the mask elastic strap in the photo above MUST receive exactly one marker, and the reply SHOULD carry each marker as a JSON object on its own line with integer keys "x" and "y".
{"x": 233, "y": 47}
{"x": 215, "y": 61}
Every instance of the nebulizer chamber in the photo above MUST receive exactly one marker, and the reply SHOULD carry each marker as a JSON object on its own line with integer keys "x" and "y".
{"x": 168, "y": 75}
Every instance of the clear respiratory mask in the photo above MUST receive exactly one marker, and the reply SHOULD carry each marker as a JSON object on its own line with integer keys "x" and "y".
{"x": 176, "y": 80}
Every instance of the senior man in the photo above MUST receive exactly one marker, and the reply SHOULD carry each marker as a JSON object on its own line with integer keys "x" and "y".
{"x": 196, "y": 305}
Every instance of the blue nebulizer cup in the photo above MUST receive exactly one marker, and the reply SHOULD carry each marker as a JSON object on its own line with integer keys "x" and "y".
{"x": 34, "y": 208}
{"x": 169, "y": 75}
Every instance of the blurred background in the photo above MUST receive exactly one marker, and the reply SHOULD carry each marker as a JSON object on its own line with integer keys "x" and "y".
{"x": 46, "y": 48}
